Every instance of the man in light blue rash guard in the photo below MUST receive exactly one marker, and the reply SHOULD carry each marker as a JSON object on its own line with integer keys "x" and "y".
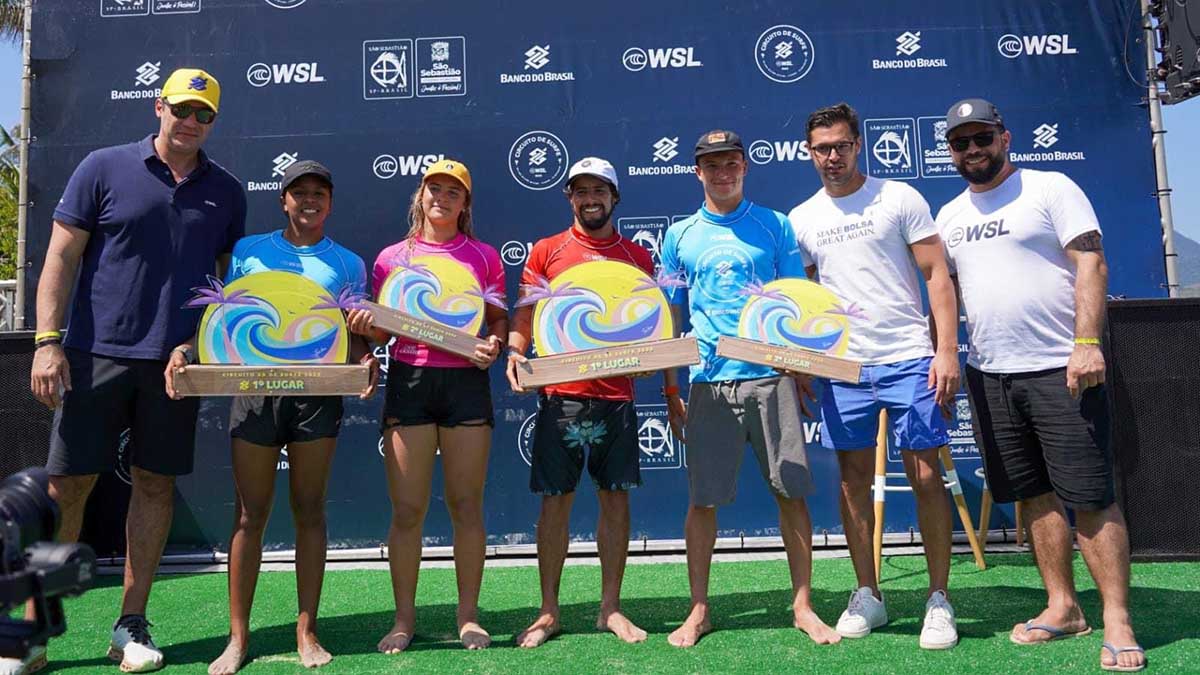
{"x": 729, "y": 244}
{"x": 259, "y": 426}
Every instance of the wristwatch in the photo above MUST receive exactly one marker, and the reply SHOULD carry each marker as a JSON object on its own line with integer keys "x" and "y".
{"x": 189, "y": 354}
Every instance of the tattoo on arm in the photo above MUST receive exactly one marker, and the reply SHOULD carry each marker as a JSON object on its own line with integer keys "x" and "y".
{"x": 1088, "y": 241}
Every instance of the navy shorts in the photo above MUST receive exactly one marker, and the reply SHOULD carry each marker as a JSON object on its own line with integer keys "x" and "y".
{"x": 568, "y": 428}
{"x": 109, "y": 395}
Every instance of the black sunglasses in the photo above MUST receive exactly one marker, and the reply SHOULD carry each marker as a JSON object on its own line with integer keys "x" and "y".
{"x": 184, "y": 110}
{"x": 982, "y": 140}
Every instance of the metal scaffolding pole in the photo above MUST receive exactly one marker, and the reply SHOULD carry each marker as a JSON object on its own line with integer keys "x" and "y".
{"x": 23, "y": 181}
{"x": 1162, "y": 189}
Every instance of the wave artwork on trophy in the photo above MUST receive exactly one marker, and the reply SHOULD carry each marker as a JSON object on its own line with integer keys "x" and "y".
{"x": 436, "y": 301}
{"x": 274, "y": 333}
{"x": 602, "y": 318}
{"x": 795, "y": 325}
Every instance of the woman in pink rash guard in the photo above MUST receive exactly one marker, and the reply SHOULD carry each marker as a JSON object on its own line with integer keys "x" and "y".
{"x": 438, "y": 400}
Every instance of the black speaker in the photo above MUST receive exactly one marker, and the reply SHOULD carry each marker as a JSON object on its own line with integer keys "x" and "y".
{"x": 24, "y": 423}
{"x": 1154, "y": 376}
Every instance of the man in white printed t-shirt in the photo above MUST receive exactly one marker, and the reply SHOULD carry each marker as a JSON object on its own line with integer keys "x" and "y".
{"x": 1025, "y": 248}
{"x": 866, "y": 240}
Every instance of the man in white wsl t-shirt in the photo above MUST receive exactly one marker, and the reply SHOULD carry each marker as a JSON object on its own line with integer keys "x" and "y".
{"x": 866, "y": 240}
{"x": 1025, "y": 248}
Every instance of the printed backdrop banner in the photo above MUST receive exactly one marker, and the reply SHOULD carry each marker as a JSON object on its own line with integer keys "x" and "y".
{"x": 378, "y": 89}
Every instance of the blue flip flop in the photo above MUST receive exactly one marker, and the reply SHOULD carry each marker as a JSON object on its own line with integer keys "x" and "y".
{"x": 1115, "y": 651}
{"x": 1055, "y": 632}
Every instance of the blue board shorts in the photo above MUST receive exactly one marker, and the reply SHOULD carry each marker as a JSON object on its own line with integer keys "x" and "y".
{"x": 850, "y": 412}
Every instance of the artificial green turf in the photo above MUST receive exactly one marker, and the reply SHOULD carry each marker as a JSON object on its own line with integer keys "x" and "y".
{"x": 749, "y": 602}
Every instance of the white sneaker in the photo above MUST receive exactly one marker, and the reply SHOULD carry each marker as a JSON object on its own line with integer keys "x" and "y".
{"x": 34, "y": 661}
{"x": 939, "y": 631}
{"x": 132, "y": 645}
{"x": 863, "y": 614}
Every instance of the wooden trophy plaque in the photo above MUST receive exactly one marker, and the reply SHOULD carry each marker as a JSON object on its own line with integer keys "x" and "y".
{"x": 795, "y": 325}
{"x": 436, "y": 301}
{"x": 272, "y": 333}
{"x": 603, "y": 318}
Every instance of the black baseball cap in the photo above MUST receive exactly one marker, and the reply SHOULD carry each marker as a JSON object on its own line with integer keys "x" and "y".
{"x": 972, "y": 110}
{"x": 303, "y": 168}
{"x": 718, "y": 140}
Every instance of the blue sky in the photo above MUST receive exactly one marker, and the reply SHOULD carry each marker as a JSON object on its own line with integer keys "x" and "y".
{"x": 1182, "y": 123}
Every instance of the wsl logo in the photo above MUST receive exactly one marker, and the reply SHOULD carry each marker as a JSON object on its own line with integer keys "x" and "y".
{"x": 537, "y": 57}
{"x": 979, "y": 232}
{"x": 784, "y": 54}
{"x": 279, "y": 166}
{"x": 261, "y": 74}
{"x": 386, "y": 167}
{"x": 145, "y": 75}
{"x": 538, "y": 160}
{"x": 637, "y": 59}
{"x": 1011, "y": 46}
{"x": 764, "y": 152}
{"x": 515, "y": 253}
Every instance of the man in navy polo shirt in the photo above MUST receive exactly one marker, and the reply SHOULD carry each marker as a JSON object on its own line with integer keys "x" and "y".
{"x": 141, "y": 224}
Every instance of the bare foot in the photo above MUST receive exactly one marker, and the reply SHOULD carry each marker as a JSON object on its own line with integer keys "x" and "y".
{"x": 694, "y": 627}
{"x": 473, "y": 636}
{"x": 542, "y": 629}
{"x": 1069, "y": 620}
{"x": 230, "y": 660}
{"x": 312, "y": 654}
{"x": 1120, "y": 634}
{"x": 397, "y": 639}
{"x": 820, "y": 633}
{"x": 618, "y": 624}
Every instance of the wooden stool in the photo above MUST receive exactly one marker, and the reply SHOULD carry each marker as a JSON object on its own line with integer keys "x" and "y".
{"x": 881, "y": 488}
{"x": 985, "y": 513}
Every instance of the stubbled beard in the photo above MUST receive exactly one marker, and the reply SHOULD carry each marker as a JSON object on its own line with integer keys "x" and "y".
{"x": 984, "y": 174}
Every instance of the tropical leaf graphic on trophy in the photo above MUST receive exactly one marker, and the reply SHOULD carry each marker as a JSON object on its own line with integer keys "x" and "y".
{"x": 438, "y": 289}
{"x": 271, "y": 319}
{"x": 597, "y": 304}
{"x": 797, "y": 313}
{"x": 346, "y": 300}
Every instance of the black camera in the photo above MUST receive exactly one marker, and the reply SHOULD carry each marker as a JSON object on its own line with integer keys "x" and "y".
{"x": 32, "y": 566}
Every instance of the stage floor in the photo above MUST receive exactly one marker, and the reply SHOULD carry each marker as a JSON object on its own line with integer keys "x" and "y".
{"x": 749, "y": 601}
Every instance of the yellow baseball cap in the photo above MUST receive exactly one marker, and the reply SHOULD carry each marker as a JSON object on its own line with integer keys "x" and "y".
{"x": 192, "y": 84}
{"x": 449, "y": 167}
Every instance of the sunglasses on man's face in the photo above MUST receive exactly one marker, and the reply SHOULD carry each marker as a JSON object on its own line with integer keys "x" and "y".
{"x": 184, "y": 110}
{"x": 982, "y": 140}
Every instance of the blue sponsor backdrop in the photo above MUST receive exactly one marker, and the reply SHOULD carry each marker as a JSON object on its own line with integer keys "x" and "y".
{"x": 377, "y": 90}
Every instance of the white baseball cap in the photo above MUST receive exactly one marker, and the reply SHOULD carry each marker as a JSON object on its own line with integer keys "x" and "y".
{"x": 594, "y": 166}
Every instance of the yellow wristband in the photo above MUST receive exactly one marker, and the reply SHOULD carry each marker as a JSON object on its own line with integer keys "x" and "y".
{"x": 47, "y": 334}
{"x": 1087, "y": 341}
